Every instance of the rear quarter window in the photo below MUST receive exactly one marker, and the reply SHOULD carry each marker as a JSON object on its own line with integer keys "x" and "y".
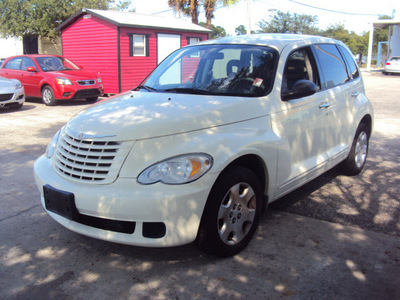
{"x": 353, "y": 69}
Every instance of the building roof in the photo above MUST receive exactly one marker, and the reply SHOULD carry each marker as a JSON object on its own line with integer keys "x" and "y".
{"x": 129, "y": 19}
{"x": 384, "y": 23}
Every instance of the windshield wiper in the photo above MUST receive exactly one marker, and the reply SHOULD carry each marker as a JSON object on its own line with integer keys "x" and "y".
{"x": 146, "y": 87}
{"x": 188, "y": 90}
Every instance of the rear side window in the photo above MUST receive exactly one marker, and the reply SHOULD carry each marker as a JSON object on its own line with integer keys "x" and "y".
{"x": 353, "y": 70}
{"x": 333, "y": 67}
{"x": 13, "y": 64}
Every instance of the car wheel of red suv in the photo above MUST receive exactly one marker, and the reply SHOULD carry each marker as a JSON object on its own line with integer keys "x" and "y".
{"x": 48, "y": 96}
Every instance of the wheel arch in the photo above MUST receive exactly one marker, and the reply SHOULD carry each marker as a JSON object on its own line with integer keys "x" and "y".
{"x": 257, "y": 165}
{"x": 367, "y": 120}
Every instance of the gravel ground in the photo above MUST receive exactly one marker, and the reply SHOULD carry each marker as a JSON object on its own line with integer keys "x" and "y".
{"x": 370, "y": 200}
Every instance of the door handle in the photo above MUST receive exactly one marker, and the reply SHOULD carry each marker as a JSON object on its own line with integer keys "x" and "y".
{"x": 355, "y": 94}
{"x": 324, "y": 105}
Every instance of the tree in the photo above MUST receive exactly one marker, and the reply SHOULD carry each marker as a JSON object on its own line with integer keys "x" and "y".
{"x": 187, "y": 7}
{"x": 190, "y": 8}
{"x": 30, "y": 19}
{"x": 241, "y": 30}
{"x": 356, "y": 43}
{"x": 209, "y": 8}
{"x": 217, "y": 31}
{"x": 287, "y": 23}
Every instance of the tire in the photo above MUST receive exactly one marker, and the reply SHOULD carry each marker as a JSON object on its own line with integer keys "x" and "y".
{"x": 48, "y": 96}
{"x": 18, "y": 106}
{"x": 355, "y": 162}
{"x": 92, "y": 99}
{"x": 232, "y": 213}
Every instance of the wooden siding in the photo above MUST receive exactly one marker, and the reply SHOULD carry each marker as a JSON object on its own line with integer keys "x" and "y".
{"x": 92, "y": 44}
{"x": 135, "y": 68}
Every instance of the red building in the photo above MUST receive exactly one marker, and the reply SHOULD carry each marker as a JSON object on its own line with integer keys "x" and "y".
{"x": 124, "y": 47}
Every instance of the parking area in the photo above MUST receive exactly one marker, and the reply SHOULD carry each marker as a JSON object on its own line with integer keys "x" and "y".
{"x": 337, "y": 237}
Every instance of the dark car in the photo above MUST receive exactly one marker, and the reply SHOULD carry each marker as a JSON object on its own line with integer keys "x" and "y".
{"x": 52, "y": 78}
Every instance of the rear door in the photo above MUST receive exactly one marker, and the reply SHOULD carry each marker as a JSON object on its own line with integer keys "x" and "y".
{"x": 340, "y": 90}
{"x": 12, "y": 69}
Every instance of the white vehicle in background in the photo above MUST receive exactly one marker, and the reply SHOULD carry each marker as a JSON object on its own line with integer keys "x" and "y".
{"x": 216, "y": 132}
{"x": 392, "y": 65}
{"x": 12, "y": 93}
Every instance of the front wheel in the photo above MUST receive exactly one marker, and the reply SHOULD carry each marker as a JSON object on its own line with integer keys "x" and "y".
{"x": 48, "y": 96}
{"x": 232, "y": 213}
{"x": 355, "y": 162}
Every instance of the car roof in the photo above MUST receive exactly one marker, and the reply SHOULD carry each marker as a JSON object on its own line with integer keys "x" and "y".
{"x": 34, "y": 55}
{"x": 277, "y": 41}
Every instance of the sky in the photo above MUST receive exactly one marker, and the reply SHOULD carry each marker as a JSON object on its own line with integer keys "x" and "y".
{"x": 355, "y": 15}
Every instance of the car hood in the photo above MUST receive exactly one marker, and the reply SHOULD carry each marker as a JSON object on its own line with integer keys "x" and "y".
{"x": 74, "y": 74}
{"x": 6, "y": 83}
{"x": 143, "y": 115}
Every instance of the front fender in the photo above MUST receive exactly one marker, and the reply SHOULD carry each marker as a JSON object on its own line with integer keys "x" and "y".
{"x": 224, "y": 143}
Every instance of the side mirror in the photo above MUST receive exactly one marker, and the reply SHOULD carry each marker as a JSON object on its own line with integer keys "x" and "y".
{"x": 31, "y": 69}
{"x": 301, "y": 88}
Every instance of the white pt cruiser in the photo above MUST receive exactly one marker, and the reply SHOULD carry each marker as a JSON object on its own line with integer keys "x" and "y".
{"x": 216, "y": 132}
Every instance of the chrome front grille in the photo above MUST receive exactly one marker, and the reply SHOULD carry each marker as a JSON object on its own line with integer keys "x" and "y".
{"x": 86, "y": 82}
{"x": 89, "y": 160}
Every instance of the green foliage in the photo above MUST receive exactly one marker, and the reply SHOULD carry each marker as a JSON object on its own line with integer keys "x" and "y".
{"x": 217, "y": 31}
{"x": 241, "y": 30}
{"x": 40, "y": 17}
{"x": 358, "y": 44}
{"x": 287, "y": 23}
{"x": 191, "y": 8}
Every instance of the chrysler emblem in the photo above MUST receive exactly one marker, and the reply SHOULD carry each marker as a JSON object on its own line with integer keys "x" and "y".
{"x": 84, "y": 136}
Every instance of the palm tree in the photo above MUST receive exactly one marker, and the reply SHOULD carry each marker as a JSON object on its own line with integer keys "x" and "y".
{"x": 209, "y": 8}
{"x": 190, "y": 8}
{"x": 187, "y": 7}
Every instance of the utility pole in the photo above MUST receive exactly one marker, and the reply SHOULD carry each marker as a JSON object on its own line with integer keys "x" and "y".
{"x": 248, "y": 16}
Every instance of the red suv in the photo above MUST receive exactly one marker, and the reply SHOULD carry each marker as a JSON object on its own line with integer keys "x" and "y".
{"x": 52, "y": 78}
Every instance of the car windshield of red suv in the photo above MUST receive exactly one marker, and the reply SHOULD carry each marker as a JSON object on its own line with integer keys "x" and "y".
{"x": 52, "y": 63}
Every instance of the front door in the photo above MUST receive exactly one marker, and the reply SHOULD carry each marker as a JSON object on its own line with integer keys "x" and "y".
{"x": 303, "y": 125}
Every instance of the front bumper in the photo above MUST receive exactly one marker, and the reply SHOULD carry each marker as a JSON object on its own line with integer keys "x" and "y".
{"x": 15, "y": 98}
{"x": 389, "y": 69}
{"x": 178, "y": 207}
{"x": 68, "y": 92}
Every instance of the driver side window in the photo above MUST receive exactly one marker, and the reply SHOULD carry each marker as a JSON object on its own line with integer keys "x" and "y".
{"x": 299, "y": 65}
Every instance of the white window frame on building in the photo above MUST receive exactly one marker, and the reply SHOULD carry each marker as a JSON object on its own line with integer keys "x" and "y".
{"x": 138, "y": 44}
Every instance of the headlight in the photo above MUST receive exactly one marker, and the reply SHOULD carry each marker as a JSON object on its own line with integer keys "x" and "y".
{"x": 63, "y": 81}
{"x": 52, "y": 146}
{"x": 17, "y": 83}
{"x": 177, "y": 170}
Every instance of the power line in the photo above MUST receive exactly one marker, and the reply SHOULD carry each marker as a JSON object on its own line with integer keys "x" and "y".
{"x": 334, "y": 11}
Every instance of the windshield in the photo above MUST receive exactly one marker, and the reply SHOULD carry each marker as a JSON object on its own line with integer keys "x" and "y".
{"x": 55, "y": 63}
{"x": 239, "y": 70}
